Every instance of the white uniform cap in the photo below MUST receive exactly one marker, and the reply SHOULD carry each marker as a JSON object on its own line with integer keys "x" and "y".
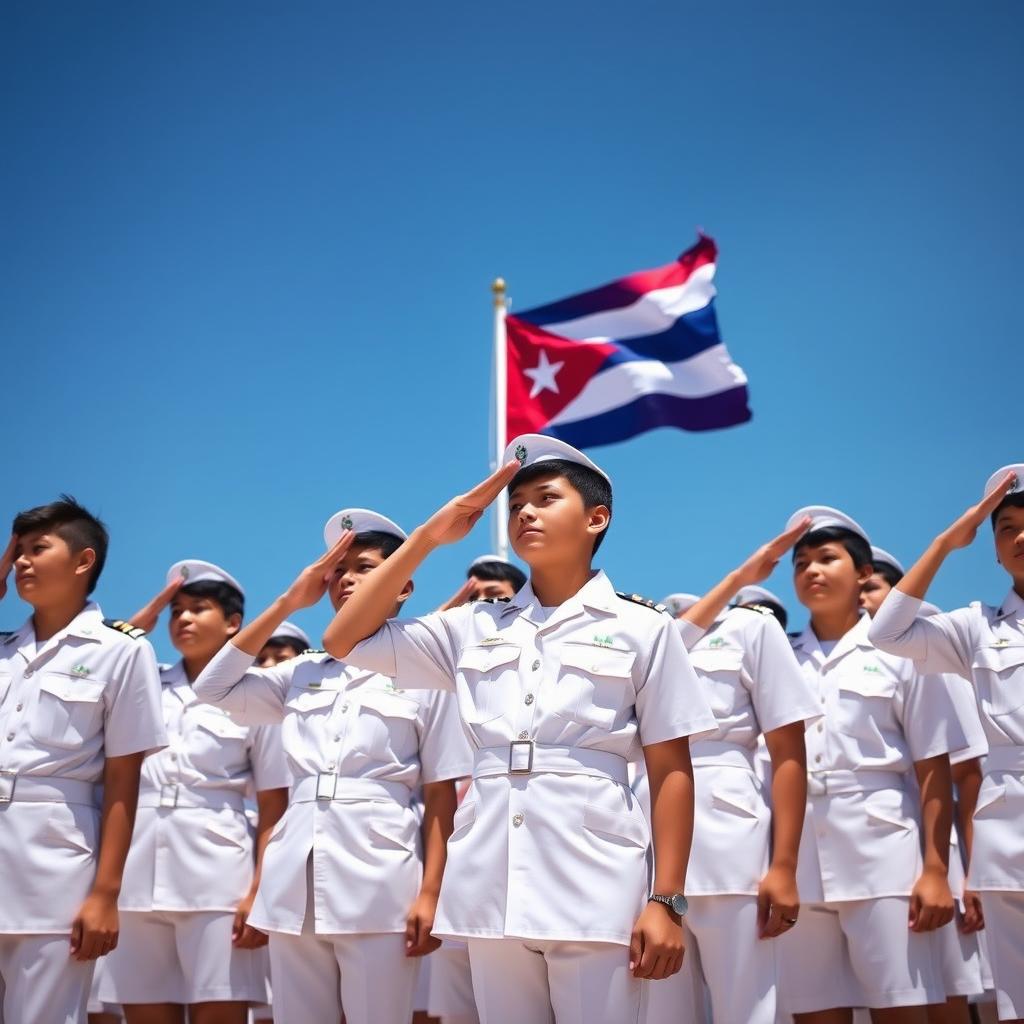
{"x": 823, "y": 516}
{"x": 488, "y": 559}
{"x": 529, "y": 449}
{"x": 755, "y": 595}
{"x": 678, "y": 603}
{"x": 881, "y": 555}
{"x": 292, "y": 632}
{"x": 1015, "y": 488}
{"x": 192, "y": 570}
{"x": 362, "y": 520}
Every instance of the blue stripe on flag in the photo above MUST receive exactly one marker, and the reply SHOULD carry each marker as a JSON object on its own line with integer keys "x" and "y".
{"x": 688, "y": 336}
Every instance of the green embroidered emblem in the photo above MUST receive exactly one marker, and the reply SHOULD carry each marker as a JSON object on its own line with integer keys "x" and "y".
{"x": 603, "y": 641}
{"x": 716, "y": 641}
{"x": 346, "y": 522}
{"x": 80, "y": 670}
{"x": 521, "y": 452}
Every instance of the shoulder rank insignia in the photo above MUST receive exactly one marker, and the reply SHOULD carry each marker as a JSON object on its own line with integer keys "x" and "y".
{"x": 645, "y": 601}
{"x": 125, "y": 627}
{"x": 314, "y": 650}
{"x": 762, "y": 609}
{"x": 494, "y": 600}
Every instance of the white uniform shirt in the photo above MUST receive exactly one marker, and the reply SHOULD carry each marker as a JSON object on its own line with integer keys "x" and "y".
{"x": 559, "y": 853}
{"x": 192, "y": 847}
{"x": 985, "y": 645}
{"x": 88, "y": 693}
{"x": 350, "y": 736}
{"x": 754, "y": 685}
{"x": 861, "y": 836}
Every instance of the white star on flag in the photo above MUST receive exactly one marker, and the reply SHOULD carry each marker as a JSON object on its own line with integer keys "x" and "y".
{"x": 543, "y": 375}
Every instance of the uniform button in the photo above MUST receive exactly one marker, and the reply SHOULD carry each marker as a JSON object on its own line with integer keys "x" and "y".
{"x": 337, "y": 739}
{"x": 174, "y": 757}
{"x": 527, "y": 700}
{"x": 821, "y": 728}
{"x": 344, "y": 707}
{"x": 10, "y": 735}
{"x": 817, "y": 758}
{"x": 823, "y": 698}
{"x": 27, "y": 673}
{"x": 524, "y": 735}
{"x": 19, "y": 707}
{"x": 517, "y": 820}
{"x": 536, "y": 665}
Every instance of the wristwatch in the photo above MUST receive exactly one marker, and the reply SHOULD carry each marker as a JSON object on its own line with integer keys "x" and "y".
{"x": 676, "y": 902}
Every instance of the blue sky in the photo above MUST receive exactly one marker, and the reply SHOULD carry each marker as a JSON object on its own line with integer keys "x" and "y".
{"x": 247, "y": 251}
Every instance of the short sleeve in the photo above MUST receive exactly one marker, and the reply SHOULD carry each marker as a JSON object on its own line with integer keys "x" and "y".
{"x": 418, "y": 652}
{"x": 670, "y": 701}
{"x": 269, "y": 765}
{"x": 780, "y": 693}
{"x": 134, "y": 716}
{"x": 929, "y": 717}
{"x": 444, "y": 749}
{"x": 251, "y": 696}
{"x": 691, "y": 633}
{"x": 966, "y": 703}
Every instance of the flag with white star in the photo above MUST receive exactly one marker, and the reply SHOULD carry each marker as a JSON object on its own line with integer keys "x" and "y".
{"x": 639, "y": 353}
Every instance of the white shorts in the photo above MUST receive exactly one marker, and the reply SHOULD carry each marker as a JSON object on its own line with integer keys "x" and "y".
{"x": 96, "y": 1004}
{"x": 1004, "y": 926}
{"x": 857, "y": 953}
{"x": 960, "y": 960}
{"x": 40, "y": 982}
{"x": 451, "y": 984}
{"x": 540, "y": 982}
{"x": 182, "y": 957}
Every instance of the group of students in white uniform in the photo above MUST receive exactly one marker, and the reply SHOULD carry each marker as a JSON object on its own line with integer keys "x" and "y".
{"x": 575, "y": 805}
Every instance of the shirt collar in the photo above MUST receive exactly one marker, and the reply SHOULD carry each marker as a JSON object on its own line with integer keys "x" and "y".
{"x": 856, "y": 637}
{"x": 86, "y": 625}
{"x": 597, "y": 594}
{"x": 1013, "y": 604}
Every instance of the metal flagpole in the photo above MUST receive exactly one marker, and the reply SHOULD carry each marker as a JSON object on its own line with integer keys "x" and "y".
{"x": 500, "y": 524}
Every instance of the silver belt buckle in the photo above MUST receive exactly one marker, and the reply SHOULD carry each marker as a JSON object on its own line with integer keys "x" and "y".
{"x": 326, "y": 785}
{"x": 520, "y": 761}
{"x": 169, "y": 794}
{"x": 8, "y": 778}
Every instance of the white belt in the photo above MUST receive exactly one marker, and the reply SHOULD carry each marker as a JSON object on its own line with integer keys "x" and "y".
{"x": 1005, "y": 759}
{"x": 843, "y": 781}
{"x": 45, "y": 789}
{"x": 721, "y": 754}
{"x": 524, "y": 757}
{"x": 173, "y": 794}
{"x": 329, "y": 786}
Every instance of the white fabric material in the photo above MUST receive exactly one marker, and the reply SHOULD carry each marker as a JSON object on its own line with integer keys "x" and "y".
{"x": 984, "y": 645}
{"x": 174, "y": 957}
{"x": 88, "y": 693}
{"x": 198, "y": 858}
{"x": 451, "y": 984}
{"x": 857, "y": 953}
{"x": 602, "y": 673}
{"x": 345, "y": 724}
{"x": 1004, "y": 929}
{"x": 359, "y": 520}
{"x": 959, "y": 962}
{"x": 544, "y": 982}
{"x": 529, "y": 449}
{"x": 40, "y": 982}
{"x": 193, "y": 570}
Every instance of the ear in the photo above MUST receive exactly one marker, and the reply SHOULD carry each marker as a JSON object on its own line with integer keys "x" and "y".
{"x": 598, "y": 519}
{"x": 86, "y": 560}
{"x": 406, "y": 592}
{"x": 234, "y": 624}
{"x": 864, "y": 573}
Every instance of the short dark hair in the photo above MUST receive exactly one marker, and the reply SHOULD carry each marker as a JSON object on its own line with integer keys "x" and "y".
{"x": 888, "y": 572}
{"x": 378, "y": 540}
{"x": 499, "y": 572}
{"x": 774, "y": 607}
{"x": 230, "y": 600}
{"x": 1014, "y": 500}
{"x": 278, "y": 643}
{"x": 856, "y": 546}
{"x": 74, "y": 524}
{"x": 593, "y": 488}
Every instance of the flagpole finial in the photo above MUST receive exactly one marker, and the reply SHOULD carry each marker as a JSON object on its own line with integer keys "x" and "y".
{"x": 498, "y": 287}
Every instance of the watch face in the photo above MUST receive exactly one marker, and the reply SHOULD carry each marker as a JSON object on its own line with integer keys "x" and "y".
{"x": 679, "y": 904}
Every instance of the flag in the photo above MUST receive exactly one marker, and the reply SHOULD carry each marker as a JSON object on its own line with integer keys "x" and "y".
{"x": 639, "y": 353}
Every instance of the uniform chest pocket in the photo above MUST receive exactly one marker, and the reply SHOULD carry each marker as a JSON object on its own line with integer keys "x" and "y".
{"x": 215, "y": 743}
{"x": 719, "y": 670}
{"x": 307, "y": 717}
{"x": 385, "y": 726}
{"x": 593, "y": 685}
{"x": 999, "y": 673}
{"x": 864, "y": 706}
{"x": 489, "y": 674}
{"x": 68, "y": 710}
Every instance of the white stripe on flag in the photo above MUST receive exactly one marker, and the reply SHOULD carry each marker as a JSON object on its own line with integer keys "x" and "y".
{"x": 707, "y": 373}
{"x": 652, "y": 313}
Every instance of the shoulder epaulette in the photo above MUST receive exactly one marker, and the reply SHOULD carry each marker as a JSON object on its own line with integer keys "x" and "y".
{"x": 645, "y": 601}
{"x": 125, "y": 627}
{"x": 5, "y": 633}
{"x": 794, "y": 636}
{"x": 763, "y": 609}
{"x": 314, "y": 650}
{"x": 494, "y": 600}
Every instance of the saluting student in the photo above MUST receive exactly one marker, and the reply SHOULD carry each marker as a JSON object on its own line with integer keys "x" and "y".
{"x": 192, "y": 871}
{"x": 984, "y": 644}
{"x": 351, "y": 876}
{"x": 79, "y": 706}
{"x": 873, "y": 865}
{"x": 558, "y": 688}
{"x": 288, "y": 642}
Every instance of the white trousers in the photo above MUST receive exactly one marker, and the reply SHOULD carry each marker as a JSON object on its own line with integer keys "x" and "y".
{"x": 724, "y": 953}
{"x": 39, "y": 982}
{"x": 1004, "y": 926}
{"x": 516, "y": 981}
{"x": 451, "y": 985}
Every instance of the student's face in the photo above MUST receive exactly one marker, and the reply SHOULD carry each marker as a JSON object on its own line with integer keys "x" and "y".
{"x": 873, "y": 593}
{"x": 548, "y": 522}
{"x": 199, "y": 628}
{"x": 492, "y": 588}
{"x": 1009, "y": 538}
{"x": 826, "y": 580}
{"x": 357, "y": 564}
{"x": 274, "y": 654}
{"x": 46, "y": 570}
